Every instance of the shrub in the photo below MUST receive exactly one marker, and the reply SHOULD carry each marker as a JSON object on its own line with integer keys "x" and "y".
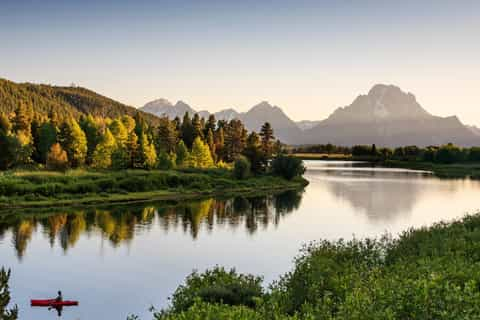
{"x": 57, "y": 158}
{"x": 217, "y": 286}
{"x": 241, "y": 168}
{"x": 288, "y": 167}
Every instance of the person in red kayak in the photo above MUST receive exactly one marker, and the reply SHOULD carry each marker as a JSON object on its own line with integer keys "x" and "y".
{"x": 59, "y": 297}
{"x": 59, "y": 308}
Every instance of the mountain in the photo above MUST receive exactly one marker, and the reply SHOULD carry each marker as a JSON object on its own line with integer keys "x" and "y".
{"x": 164, "y": 108}
{"x": 474, "y": 129}
{"x": 65, "y": 101}
{"x": 284, "y": 128}
{"x": 387, "y": 116}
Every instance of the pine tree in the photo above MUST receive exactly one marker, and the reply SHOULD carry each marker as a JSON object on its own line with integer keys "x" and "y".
{"x": 211, "y": 124}
{"x": 182, "y": 153}
{"x": 197, "y": 127}
{"x": 57, "y": 158}
{"x": 188, "y": 134}
{"x": 102, "y": 156}
{"x": 92, "y": 133}
{"x": 47, "y": 136}
{"x": 219, "y": 138}
{"x": 6, "y": 314}
{"x": 266, "y": 132}
{"x": 11, "y": 149}
{"x": 235, "y": 140}
{"x": 201, "y": 156}
{"x": 254, "y": 154}
{"x": 166, "y": 136}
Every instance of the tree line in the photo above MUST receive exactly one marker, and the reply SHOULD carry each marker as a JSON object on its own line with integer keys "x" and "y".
{"x": 448, "y": 153}
{"x": 29, "y": 138}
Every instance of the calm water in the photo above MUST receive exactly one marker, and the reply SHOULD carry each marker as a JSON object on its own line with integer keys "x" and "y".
{"x": 122, "y": 260}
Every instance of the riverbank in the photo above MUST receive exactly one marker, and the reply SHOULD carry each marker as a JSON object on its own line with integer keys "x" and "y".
{"x": 456, "y": 170}
{"x": 20, "y": 189}
{"x": 425, "y": 273}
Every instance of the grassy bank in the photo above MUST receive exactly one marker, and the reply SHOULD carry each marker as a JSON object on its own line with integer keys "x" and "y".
{"x": 427, "y": 273}
{"x": 81, "y": 187}
{"x": 455, "y": 170}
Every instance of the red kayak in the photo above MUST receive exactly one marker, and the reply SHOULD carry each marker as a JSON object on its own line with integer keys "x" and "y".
{"x": 52, "y": 303}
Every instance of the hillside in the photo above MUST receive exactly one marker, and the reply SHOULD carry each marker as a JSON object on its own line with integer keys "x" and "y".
{"x": 65, "y": 101}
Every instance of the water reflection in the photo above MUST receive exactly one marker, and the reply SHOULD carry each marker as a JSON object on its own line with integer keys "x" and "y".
{"x": 119, "y": 225}
{"x": 383, "y": 195}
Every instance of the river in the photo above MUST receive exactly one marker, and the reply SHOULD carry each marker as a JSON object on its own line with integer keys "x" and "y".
{"x": 121, "y": 260}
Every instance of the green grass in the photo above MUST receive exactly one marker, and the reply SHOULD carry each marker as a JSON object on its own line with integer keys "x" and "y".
{"x": 427, "y": 273}
{"x": 47, "y": 188}
{"x": 456, "y": 170}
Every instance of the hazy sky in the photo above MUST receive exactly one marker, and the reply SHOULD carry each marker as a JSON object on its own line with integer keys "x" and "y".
{"x": 307, "y": 57}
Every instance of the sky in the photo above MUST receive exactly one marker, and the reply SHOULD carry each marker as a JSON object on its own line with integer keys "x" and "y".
{"x": 308, "y": 57}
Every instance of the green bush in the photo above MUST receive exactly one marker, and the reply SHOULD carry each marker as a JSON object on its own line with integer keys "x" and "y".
{"x": 217, "y": 286}
{"x": 241, "y": 168}
{"x": 428, "y": 273}
{"x": 288, "y": 167}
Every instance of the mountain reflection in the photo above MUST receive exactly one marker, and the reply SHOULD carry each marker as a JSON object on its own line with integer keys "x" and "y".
{"x": 120, "y": 224}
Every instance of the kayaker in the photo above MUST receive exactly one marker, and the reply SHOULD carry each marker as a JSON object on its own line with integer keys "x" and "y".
{"x": 59, "y": 297}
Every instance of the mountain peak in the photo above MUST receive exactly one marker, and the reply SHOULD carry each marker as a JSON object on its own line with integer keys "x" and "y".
{"x": 264, "y": 105}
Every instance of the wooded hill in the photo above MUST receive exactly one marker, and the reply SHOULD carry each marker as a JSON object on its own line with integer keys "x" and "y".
{"x": 64, "y": 101}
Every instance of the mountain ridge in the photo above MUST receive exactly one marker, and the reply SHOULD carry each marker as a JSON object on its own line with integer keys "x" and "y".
{"x": 386, "y": 115}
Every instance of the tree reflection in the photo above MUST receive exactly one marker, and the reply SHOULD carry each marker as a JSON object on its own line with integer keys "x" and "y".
{"x": 119, "y": 225}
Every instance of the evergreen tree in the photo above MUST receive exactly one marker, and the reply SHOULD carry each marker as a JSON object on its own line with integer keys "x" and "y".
{"x": 102, "y": 156}
{"x": 57, "y": 158}
{"x": 201, "y": 156}
{"x": 120, "y": 158}
{"x": 5, "y": 313}
{"x": 211, "y": 124}
{"x": 10, "y": 148}
{"x": 266, "y": 132}
{"x": 74, "y": 142}
{"x": 47, "y": 136}
{"x": 254, "y": 154}
{"x": 166, "y": 136}
{"x": 92, "y": 132}
{"x": 140, "y": 124}
{"x": 219, "y": 138}
{"x": 182, "y": 153}
{"x": 188, "y": 134}
{"x": 197, "y": 127}
{"x": 235, "y": 140}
